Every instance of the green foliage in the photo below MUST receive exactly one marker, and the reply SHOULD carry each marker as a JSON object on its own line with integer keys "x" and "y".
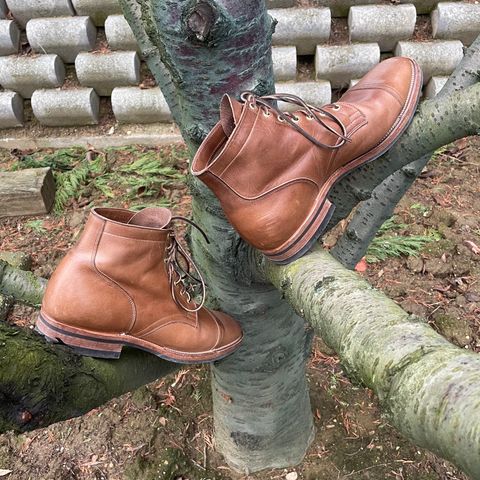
{"x": 79, "y": 172}
{"x": 386, "y": 245}
{"x": 36, "y": 226}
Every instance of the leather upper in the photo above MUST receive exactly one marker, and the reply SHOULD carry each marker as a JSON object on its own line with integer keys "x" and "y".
{"x": 267, "y": 175}
{"x": 115, "y": 281}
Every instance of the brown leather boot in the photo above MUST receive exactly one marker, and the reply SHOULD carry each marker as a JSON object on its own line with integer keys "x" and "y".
{"x": 273, "y": 171}
{"x": 125, "y": 284}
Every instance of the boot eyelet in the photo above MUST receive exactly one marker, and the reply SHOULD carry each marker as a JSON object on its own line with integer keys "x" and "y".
{"x": 266, "y": 114}
{"x": 252, "y": 106}
{"x": 280, "y": 119}
{"x": 336, "y": 107}
{"x": 295, "y": 119}
{"x": 309, "y": 117}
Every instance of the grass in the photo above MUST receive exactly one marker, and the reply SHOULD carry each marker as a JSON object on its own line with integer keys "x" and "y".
{"x": 387, "y": 244}
{"x": 81, "y": 173}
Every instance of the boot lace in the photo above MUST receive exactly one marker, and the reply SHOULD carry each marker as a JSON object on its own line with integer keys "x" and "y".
{"x": 268, "y": 103}
{"x": 179, "y": 270}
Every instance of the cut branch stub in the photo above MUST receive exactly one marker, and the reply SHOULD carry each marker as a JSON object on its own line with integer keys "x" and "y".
{"x": 200, "y": 20}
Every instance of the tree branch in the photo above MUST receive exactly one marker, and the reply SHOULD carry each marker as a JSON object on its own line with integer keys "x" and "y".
{"x": 430, "y": 388}
{"x": 371, "y": 214}
{"x": 41, "y": 384}
{"x": 22, "y": 285}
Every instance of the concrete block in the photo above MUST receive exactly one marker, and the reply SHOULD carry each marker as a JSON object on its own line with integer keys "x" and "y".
{"x": 437, "y": 58}
{"x": 384, "y": 24}
{"x": 458, "y": 21}
{"x": 24, "y": 10}
{"x": 3, "y": 9}
{"x": 105, "y": 71}
{"x": 97, "y": 10}
{"x": 27, "y": 74}
{"x": 9, "y": 37}
{"x": 280, "y": 3}
{"x": 434, "y": 86}
{"x": 65, "y": 36}
{"x": 59, "y": 108}
{"x": 340, "y": 8}
{"x": 11, "y": 110}
{"x": 313, "y": 93}
{"x": 119, "y": 34}
{"x": 339, "y": 64}
{"x": 137, "y": 105}
{"x": 302, "y": 27}
{"x": 284, "y": 63}
{"x": 422, "y": 6}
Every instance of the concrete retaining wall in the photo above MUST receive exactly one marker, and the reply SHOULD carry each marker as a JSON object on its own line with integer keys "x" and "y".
{"x": 95, "y": 39}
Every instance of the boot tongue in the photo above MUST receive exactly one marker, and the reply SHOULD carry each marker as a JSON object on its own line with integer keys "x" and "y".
{"x": 230, "y": 111}
{"x": 154, "y": 217}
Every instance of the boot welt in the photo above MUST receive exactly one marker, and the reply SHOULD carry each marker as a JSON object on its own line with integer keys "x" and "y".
{"x": 91, "y": 344}
{"x": 305, "y": 238}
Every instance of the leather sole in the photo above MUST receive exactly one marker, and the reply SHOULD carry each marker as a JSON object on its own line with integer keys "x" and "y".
{"x": 109, "y": 346}
{"x": 301, "y": 242}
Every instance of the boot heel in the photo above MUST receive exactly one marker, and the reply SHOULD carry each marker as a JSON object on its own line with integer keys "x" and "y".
{"x": 79, "y": 344}
{"x": 308, "y": 238}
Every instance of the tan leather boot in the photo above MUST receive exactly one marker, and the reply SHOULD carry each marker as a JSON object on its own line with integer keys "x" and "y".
{"x": 125, "y": 284}
{"x": 273, "y": 171}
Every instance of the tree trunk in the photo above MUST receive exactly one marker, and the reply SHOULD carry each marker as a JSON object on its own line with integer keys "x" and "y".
{"x": 41, "y": 384}
{"x": 198, "y": 50}
{"x": 429, "y": 387}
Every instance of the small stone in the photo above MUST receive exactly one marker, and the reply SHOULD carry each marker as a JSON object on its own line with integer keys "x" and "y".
{"x": 415, "y": 264}
{"x": 438, "y": 268}
{"x": 291, "y": 476}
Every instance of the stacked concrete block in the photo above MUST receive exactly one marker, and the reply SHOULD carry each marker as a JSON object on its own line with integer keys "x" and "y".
{"x": 23, "y": 10}
{"x": 97, "y": 10}
{"x": 284, "y": 63}
{"x": 340, "y": 8}
{"x": 11, "y": 110}
{"x": 280, "y": 3}
{"x": 313, "y": 93}
{"x": 437, "y": 58}
{"x": 340, "y": 63}
{"x": 105, "y": 71}
{"x": 384, "y": 24}
{"x": 59, "y": 108}
{"x": 27, "y": 74}
{"x": 422, "y": 6}
{"x": 9, "y": 37}
{"x": 302, "y": 27}
{"x": 137, "y": 105}
{"x": 119, "y": 34}
{"x": 3, "y": 9}
{"x": 459, "y": 21}
{"x": 65, "y": 36}
{"x": 434, "y": 86}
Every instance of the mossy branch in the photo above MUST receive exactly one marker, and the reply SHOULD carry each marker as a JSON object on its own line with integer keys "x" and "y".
{"x": 429, "y": 387}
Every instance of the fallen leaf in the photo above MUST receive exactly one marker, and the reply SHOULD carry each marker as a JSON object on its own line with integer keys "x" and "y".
{"x": 473, "y": 247}
{"x": 361, "y": 265}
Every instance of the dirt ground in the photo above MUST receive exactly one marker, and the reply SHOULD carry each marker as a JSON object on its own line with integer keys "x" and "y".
{"x": 164, "y": 430}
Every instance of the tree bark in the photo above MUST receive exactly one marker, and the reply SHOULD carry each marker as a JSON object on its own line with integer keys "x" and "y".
{"x": 201, "y": 50}
{"x": 41, "y": 384}
{"x": 20, "y": 284}
{"x": 371, "y": 214}
{"x": 429, "y": 387}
